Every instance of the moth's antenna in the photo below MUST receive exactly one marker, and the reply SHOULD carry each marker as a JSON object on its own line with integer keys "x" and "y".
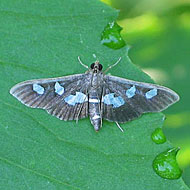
{"x": 119, "y": 126}
{"x": 82, "y": 63}
{"x": 111, "y": 66}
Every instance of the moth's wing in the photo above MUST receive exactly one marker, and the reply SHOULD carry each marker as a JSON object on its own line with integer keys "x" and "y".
{"x": 125, "y": 100}
{"x": 52, "y": 95}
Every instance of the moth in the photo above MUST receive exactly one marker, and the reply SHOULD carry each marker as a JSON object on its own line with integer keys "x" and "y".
{"x": 94, "y": 94}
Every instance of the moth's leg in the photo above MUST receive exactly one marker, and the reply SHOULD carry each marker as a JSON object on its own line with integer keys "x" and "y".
{"x": 119, "y": 126}
{"x": 82, "y": 63}
{"x": 91, "y": 80}
{"x": 81, "y": 106}
{"x": 111, "y": 66}
{"x": 101, "y": 105}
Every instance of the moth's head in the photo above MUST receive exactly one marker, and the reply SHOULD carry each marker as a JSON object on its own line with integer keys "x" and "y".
{"x": 96, "y": 66}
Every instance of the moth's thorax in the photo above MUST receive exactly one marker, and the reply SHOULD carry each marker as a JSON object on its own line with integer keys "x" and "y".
{"x": 96, "y": 79}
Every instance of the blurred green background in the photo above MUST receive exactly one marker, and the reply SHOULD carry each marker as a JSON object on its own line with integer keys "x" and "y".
{"x": 158, "y": 33}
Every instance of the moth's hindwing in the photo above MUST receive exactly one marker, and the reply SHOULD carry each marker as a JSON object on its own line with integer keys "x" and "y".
{"x": 63, "y": 97}
{"x": 124, "y": 100}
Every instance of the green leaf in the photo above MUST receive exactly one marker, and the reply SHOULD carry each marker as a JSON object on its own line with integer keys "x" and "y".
{"x": 38, "y": 151}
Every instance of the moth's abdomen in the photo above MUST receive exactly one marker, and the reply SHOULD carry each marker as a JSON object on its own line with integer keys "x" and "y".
{"x": 96, "y": 122}
{"x": 95, "y": 110}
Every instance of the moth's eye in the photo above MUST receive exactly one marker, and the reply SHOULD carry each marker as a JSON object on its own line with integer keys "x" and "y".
{"x": 100, "y": 67}
{"x": 92, "y": 65}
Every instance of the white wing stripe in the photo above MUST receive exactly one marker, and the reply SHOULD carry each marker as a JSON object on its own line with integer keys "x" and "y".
{"x": 93, "y": 100}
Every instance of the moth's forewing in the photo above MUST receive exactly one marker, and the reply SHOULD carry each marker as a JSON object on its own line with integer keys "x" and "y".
{"x": 51, "y": 94}
{"x": 132, "y": 98}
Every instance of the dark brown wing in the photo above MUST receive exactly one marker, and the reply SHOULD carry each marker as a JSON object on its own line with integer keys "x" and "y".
{"x": 125, "y": 100}
{"x": 52, "y": 95}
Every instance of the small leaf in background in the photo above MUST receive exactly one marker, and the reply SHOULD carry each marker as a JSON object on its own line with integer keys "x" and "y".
{"x": 158, "y": 136}
{"x": 111, "y": 36}
{"x": 166, "y": 166}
